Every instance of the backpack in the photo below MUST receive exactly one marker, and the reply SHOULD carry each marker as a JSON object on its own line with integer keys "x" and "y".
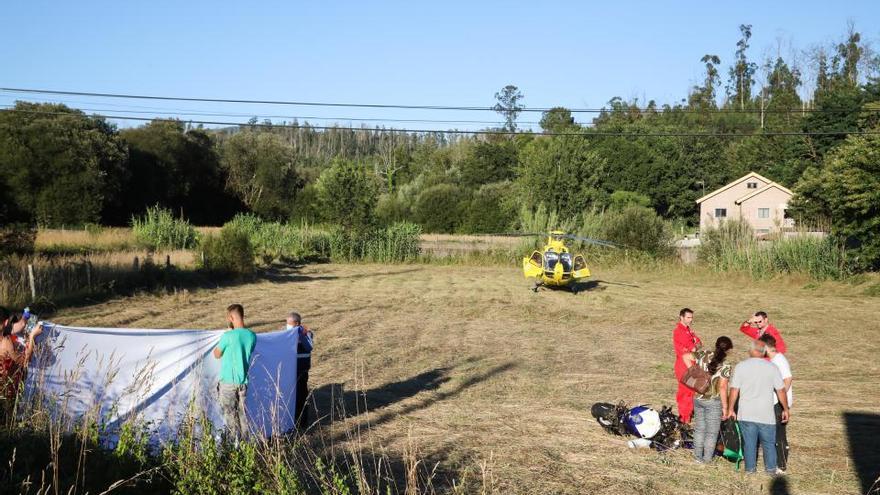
{"x": 731, "y": 440}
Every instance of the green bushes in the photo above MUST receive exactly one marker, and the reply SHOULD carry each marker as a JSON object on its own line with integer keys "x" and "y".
{"x": 490, "y": 210}
{"x": 394, "y": 244}
{"x": 733, "y": 247}
{"x": 273, "y": 241}
{"x": 439, "y": 208}
{"x": 158, "y": 228}
{"x": 17, "y": 239}
{"x": 638, "y": 227}
{"x": 230, "y": 252}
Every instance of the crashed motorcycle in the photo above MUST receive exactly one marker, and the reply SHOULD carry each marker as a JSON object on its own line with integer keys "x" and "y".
{"x": 660, "y": 430}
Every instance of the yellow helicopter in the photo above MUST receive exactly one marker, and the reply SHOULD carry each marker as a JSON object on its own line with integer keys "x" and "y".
{"x": 555, "y": 265}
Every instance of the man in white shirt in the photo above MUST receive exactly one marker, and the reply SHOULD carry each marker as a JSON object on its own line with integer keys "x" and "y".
{"x": 754, "y": 382}
{"x": 781, "y": 363}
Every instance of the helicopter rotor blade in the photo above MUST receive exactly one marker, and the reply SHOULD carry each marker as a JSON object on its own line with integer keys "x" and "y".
{"x": 514, "y": 234}
{"x": 597, "y": 242}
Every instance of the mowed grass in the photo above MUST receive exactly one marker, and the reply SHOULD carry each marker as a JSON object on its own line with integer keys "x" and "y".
{"x": 473, "y": 371}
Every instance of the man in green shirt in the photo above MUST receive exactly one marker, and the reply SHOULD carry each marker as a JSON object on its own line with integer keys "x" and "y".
{"x": 234, "y": 352}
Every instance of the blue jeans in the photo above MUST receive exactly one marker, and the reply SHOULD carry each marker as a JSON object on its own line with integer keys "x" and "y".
{"x": 752, "y": 433}
{"x": 707, "y": 423}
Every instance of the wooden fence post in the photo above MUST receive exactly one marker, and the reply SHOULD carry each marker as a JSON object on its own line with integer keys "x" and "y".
{"x": 136, "y": 264}
{"x": 167, "y": 261}
{"x": 89, "y": 274}
{"x": 33, "y": 284}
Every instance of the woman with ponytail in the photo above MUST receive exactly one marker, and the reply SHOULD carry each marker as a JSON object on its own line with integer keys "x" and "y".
{"x": 710, "y": 407}
{"x": 13, "y": 362}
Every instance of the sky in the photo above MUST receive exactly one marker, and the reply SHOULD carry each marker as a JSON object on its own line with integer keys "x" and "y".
{"x": 455, "y": 53}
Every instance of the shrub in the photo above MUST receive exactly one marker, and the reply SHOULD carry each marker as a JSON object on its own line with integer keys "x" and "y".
{"x": 229, "y": 252}
{"x": 391, "y": 208}
{"x": 732, "y": 246}
{"x": 272, "y": 240}
{"x": 621, "y": 199}
{"x": 439, "y": 208}
{"x": 394, "y": 244}
{"x": 347, "y": 194}
{"x": 17, "y": 239}
{"x": 158, "y": 228}
{"x": 639, "y": 228}
{"x": 490, "y": 210}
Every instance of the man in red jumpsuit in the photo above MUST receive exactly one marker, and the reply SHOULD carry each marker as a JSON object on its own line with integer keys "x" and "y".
{"x": 759, "y": 325}
{"x": 684, "y": 341}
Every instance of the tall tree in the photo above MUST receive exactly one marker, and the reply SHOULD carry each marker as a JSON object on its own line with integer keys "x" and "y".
{"x": 742, "y": 72}
{"x": 509, "y": 105}
{"x": 845, "y": 189}
{"x": 176, "y": 168}
{"x": 60, "y": 166}
{"x": 557, "y": 119}
{"x": 563, "y": 173}
{"x": 261, "y": 173}
{"x": 347, "y": 194}
{"x": 704, "y": 96}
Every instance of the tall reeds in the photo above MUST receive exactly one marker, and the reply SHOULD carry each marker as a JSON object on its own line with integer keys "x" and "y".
{"x": 158, "y": 228}
{"x": 278, "y": 241}
{"x": 733, "y": 246}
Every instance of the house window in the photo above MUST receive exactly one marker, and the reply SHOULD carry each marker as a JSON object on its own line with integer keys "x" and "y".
{"x": 720, "y": 212}
{"x": 751, "y": 185}
{"x": 763, "y": 212}
{"x": 762, "y": 231}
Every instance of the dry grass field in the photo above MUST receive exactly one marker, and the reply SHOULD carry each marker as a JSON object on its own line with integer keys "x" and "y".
{"x": 473, "y": 371}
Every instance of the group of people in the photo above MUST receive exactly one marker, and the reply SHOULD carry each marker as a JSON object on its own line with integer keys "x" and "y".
{"x": 756, "y": 393}
{"x": 234, "y": 352}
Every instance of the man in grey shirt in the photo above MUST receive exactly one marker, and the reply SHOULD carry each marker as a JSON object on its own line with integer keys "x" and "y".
{"x": 754, "y": 383}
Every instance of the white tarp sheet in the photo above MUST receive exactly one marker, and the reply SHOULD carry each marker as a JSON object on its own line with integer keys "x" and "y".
{"x": 156, "y": 376}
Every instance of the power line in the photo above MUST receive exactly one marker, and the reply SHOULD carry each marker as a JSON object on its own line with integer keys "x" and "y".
{"x": 291, "y": 117}
{"x": 400, "y": 106}
{"x": 585, "y": 134}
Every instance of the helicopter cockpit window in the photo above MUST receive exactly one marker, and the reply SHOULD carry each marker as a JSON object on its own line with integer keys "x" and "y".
{"x": 579, "y": 263}
{"x": 550, "y": 260}
{"x": 566, "y": 261}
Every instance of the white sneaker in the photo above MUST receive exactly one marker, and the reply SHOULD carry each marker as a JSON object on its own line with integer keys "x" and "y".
{"x": 780, "y": 472}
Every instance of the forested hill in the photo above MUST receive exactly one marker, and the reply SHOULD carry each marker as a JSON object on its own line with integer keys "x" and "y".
{"x": 59, "y": 166}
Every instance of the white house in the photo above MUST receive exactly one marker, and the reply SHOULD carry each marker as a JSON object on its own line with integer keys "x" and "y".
{"x": 753, "y": 198}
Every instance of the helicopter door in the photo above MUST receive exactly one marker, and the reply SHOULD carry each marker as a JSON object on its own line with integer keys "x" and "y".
{"x": 532, "y": 265}
{"x": 580, "y": 267}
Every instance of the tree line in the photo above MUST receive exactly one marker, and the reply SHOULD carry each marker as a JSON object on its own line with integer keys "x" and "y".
{"x": 59, "y": 166}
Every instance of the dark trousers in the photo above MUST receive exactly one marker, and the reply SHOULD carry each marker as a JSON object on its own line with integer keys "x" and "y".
{"x": 302, "y": 393}
{"x": 781, "y": 439}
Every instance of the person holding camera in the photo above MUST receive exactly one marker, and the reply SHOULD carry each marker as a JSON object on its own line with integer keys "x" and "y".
{"x": 14, "y": 359}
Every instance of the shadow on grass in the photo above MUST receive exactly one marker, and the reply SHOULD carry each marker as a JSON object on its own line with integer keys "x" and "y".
{"x": 332, "y": 402}
{"x": 779, "y": 486}
{"x": 439, "y": 470}
{"x": 863, "y": 432}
